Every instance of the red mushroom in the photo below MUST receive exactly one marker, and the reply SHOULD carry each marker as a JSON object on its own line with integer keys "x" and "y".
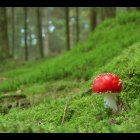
{"x": 109, "y": 85}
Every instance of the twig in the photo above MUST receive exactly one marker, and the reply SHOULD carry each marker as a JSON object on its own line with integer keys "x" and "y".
{"x": 12, "y": 96}
{"x": 65, "y": 110}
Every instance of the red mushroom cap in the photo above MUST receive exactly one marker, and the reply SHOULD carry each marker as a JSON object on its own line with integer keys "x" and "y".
{"x": 107, "y": 83}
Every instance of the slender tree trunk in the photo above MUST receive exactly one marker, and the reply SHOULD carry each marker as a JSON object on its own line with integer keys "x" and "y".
{"x": 93, "y": 18}
{"x": 5, "y": 52}
{"x": 128, "y": 8}
{"x": 77, "y": 24}
{"x": 13, "y": 31}
{"x": 39, "y": 32}
{"x": 137, "y": 8}
{"x": 103, "y": 13}
{"x": 72, "y": 33}
{"x": 45, "y": 21}
{"x": 112, "y": 11}
{"x": 26, "y": 33}
{"x": 108, "y": 12}
{"x": 67, "y": 28}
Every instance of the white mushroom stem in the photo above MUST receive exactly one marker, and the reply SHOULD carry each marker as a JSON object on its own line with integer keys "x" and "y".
{"x": 110, "y": 101}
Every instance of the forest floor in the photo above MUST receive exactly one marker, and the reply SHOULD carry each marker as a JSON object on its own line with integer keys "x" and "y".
{"x": 45, "y": 95}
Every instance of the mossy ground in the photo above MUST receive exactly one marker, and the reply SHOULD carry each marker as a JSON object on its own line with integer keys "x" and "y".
{"x": 55, "y": 84}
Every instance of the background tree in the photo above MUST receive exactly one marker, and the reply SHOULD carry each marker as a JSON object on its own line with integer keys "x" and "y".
{"x": 67, "y": 28}
{"x": 137, "y": 8}
{"x": 45, "y": 26}
{"x": 5, "y": 53}
{"x": 13, "y": 30}
{"x": 108, "y": 12}
{"x": 39, "y": 32}
{"x": 77, "y": 24}
{"x": 32, "y": 36}
{"x": 93, "y": 18}
{"x": 128, "y": 8}
{"x": 26, "y": 32}
{"x": 50, "y": 31}
{"x": 56, "y": 30}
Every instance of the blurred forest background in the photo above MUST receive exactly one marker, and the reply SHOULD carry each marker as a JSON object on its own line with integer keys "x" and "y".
{"x": 31, "y": 33}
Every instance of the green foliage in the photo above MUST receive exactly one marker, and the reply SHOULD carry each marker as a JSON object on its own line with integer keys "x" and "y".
{"x": 106, "y": 42}
{"x": 109, "y": 49}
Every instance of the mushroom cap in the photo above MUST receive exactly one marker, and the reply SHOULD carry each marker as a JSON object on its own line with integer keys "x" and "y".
{"x": 107, "y": 83}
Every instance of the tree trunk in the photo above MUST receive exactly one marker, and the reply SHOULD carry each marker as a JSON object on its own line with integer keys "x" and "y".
{"x": 13, "y": 31}
{"x": 77, "y": 24}
{"x": 93, "y": 18}
{"x": 5, "y": 52}
{"x": 26, "y": 33}
{"x": 112, "y": 12}
{"x": 108, "y": 12}
{"x": 45, "y": 21}
{"x": 39, "y": 32}
{"x": 67, "y": 28}
{"x": 137, "y": 8}
{"x": 128, "y": 8}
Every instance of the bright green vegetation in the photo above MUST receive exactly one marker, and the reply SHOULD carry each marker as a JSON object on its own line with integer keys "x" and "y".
{"x": 56, "y": 83}
{"x": 106, "y": 42}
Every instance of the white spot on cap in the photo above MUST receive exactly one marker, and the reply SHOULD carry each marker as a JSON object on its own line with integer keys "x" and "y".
{"x": 106, "y": 77}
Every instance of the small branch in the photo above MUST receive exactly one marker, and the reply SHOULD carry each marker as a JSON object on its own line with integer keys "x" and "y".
{"x": 12, "y": 96}
{"x": 65, "y": 110}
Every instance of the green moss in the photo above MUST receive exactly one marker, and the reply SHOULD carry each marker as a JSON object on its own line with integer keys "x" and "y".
{"x": 108, "y": 49}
